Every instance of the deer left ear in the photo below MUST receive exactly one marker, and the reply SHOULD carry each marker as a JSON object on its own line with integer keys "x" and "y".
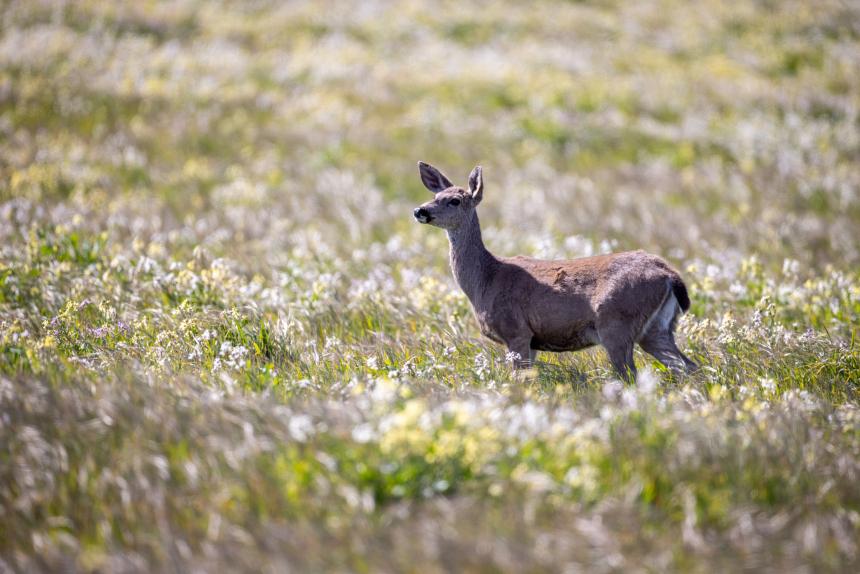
{"x": 476, "y": 184}
{"x": 432, "y": 178}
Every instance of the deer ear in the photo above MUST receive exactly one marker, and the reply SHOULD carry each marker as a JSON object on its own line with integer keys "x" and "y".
{"x": 433, "y": 179}
{"x": 476, "y": 184}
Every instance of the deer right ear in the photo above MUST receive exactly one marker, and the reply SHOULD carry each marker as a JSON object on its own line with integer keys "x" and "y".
{"x": 432, "y": 178}
{"x": 476, "y": 184}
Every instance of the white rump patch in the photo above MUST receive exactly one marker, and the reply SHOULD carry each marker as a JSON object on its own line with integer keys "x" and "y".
{"x": 664, "y": 315}
{"x": 668, "y": 312}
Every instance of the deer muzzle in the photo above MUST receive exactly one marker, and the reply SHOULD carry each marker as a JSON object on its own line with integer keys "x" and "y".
{"x": 422, "y": 215}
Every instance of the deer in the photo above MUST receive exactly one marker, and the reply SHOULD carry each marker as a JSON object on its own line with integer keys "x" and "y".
{"x": 529, "y": 305}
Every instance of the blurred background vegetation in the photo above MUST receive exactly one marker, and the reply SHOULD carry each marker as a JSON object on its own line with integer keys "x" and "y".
{"x": 224, "y": 343}
{"x": 690, "y": 128}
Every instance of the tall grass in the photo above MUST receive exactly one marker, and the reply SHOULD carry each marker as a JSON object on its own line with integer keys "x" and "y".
{"x": 224, "y": 345}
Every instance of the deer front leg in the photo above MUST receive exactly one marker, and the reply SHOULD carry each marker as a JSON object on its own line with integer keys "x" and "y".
{"x": 520, "y": 348}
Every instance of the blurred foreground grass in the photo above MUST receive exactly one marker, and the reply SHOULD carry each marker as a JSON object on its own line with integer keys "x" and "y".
{"x": 224, "y": 345}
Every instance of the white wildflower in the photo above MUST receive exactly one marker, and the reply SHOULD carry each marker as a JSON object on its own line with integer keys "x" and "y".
{"x": 612, "y": 389}
{"x": 646, "y": 381}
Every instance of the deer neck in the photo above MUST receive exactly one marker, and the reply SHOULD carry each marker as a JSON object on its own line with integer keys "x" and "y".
{"x": 471, "y": 263}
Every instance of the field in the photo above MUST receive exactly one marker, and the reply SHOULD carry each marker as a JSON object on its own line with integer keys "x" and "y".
{"x": 225, "y": 344}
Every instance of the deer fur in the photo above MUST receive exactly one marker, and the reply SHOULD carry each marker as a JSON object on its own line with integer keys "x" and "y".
{"x": 532, "y": 305}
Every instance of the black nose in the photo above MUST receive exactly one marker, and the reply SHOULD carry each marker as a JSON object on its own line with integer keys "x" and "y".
{"x": 420, "y": 213}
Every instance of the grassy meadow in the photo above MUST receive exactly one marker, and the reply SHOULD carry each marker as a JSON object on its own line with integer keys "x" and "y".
{"x": 225, "y": 344}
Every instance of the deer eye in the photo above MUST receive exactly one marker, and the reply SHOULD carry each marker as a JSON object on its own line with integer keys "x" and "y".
{"x": 454, "y": 202}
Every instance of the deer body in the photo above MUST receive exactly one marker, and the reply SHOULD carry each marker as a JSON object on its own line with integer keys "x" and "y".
{"x": 533, "y": 305}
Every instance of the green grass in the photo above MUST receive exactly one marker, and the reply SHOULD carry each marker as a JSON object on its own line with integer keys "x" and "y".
{"x": 224, "y": 345}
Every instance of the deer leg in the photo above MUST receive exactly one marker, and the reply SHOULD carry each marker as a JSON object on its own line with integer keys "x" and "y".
{"x": 520, "y": 347}
{"x": 621, "y": 357}
{"x": 661, "y": 345}
{"x": 617, "y": 339}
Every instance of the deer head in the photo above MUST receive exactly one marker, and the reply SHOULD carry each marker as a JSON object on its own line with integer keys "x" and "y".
{"x": 452, "y": 206}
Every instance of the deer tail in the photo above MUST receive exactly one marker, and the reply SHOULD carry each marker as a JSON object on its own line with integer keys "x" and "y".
{"x": 680, "y": 291}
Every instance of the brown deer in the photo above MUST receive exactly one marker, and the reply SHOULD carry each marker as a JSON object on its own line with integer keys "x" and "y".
{"x": 532, "y": 305}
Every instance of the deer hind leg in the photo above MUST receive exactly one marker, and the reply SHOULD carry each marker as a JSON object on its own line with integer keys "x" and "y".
{"x": 621, "y": 357}
{"x": 660, "y": 344}
{"x": 617, "y": 339}
{"x": 659, "y": 339}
